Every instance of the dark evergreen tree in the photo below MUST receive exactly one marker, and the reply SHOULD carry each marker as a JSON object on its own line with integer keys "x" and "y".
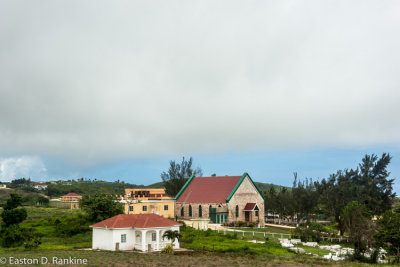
{"x": 12, "y": 215}
{"x": 178, "y": 174}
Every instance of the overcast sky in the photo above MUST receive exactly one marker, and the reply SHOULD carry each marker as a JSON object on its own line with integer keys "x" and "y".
{"x": 91, "y": 83}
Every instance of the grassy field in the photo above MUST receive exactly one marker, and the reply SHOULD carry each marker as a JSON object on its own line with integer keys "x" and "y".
{"x": 206, "y": 248}
{"x": 184, "y": 258}
{"x": 39, "y": 213}
{"x": 264, "y": 229}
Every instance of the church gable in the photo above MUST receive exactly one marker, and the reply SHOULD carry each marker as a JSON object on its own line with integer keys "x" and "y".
{"x": 245, "y": 187}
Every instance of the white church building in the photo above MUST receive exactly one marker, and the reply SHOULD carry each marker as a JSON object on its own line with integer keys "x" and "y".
{"x": 133, "y": 231}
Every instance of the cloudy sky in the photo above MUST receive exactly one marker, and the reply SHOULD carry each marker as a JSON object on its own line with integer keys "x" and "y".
{"x": 116, "y": 89}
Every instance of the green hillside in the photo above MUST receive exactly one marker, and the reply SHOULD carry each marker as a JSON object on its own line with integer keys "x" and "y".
{"x": 265, "y": 187}
{"x": 91, "y": 187}
{"x": 28, "y": 198}
{"x": 88, "y": 187}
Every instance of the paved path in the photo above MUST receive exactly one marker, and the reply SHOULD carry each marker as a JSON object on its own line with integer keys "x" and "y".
{"x": 279, "y": 226}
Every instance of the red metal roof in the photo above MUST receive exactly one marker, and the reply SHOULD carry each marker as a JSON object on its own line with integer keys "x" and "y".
{"x": 136, "y": 220}
{"x": 215, "y": 189}
{"x": 250, "y": 207}
{"x": 72, "y": 195}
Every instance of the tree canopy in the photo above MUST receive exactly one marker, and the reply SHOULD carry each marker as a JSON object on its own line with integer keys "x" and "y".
{"x": 178, "y": 174}
{"x": 388, "y": 235}
{"x": 11, "y": 234}
{"x": 100, "y": 206}
{"x": 12, "y": 214}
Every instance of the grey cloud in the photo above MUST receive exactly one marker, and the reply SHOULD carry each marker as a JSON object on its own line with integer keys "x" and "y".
{"x": 97, "y": 80}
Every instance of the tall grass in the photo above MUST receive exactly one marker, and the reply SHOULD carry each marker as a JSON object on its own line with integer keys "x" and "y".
{"x": 212, "y": 241}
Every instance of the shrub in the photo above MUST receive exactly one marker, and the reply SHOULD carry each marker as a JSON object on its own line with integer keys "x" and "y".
{"x": 183, "y": 224}
{"x": 252, "y": 225}
{"x": 168, "y": 249}
{"x": 11, "y": 236}
{"x": 32, "y": 239}
{"x": 72, "y": 225}
{"x": 310, "y": 233}
{"x": 241, "y": 224}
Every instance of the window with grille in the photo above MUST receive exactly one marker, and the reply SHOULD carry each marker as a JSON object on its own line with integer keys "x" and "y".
{"x": 153, "y": 237}
{"x": 165, "y": 207}
{"x": 130, "y": 208}
{"x": 123, "y": 238}
{"x": 144, "y": 208}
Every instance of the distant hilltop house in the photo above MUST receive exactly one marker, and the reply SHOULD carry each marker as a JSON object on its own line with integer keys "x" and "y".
{"x": 3, "y": 186}
{"x": 221, "y": 199}
{"x": 133, "y": 231}
{"x": 71, "y": 197}
{"x": 148, "y": 200}
{"x": 39, "y": 186}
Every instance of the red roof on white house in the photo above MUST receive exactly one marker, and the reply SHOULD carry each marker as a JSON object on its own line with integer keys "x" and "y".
{"x": 214, "y": 189}
{"x": 72, "y": 195}
{"x": 136, "y": 221}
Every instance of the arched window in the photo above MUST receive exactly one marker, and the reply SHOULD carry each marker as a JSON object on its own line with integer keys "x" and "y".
{"x": 237, "y": 211}
{"x": 200, "y": 211}
{"x": 190, "y": 210}
{"x": 182, "y": 212}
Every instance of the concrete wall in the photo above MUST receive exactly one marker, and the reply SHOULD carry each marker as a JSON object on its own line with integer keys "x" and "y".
{"x": 246, "y": 193}
{"x": 101, "y": 239}
{"x": 152, "y": 207}
{"x": 106, "y": 239}
{"x": 130, "y": 238}
{"x": 195, "y": 209}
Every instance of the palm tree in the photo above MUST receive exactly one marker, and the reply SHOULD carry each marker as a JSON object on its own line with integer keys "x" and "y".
{"x": 172, "y": 235}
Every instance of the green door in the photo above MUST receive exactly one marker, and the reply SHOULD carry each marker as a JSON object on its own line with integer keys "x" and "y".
{"x": 213, "y": 214}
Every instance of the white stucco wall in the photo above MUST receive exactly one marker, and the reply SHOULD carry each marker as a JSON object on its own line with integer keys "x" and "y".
{"x": 101, "y": 239}
{"x": 130, "y": 238}
{"x": 106, "y": 239}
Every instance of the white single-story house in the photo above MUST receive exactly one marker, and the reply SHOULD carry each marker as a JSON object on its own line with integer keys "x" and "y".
{"x": 133, "y": 231}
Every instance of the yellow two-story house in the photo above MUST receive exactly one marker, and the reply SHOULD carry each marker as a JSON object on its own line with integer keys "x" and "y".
{"x": 148, "y": 200}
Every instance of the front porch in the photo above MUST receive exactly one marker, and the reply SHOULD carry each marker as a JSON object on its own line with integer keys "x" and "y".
{"x": 251, "y": 213}
{"x": 152, "y": 240}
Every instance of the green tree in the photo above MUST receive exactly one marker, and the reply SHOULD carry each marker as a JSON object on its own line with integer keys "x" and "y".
{"x": 11, "y": 213}
{"x": 11, "y": 234}
{"x": 388, "y": 235}
{"x": 357, "y": 222}
{"x": 369, "y": 184}
{"x": 335, "y": 193}
{"x": 375, "y": 187}
{"x": 178, "y": 174}
{"x": 306, "y": 198}
{"x": 100, "y": 206}
{"x": 172, "y": 235}
{"x": 43, "y": 201}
